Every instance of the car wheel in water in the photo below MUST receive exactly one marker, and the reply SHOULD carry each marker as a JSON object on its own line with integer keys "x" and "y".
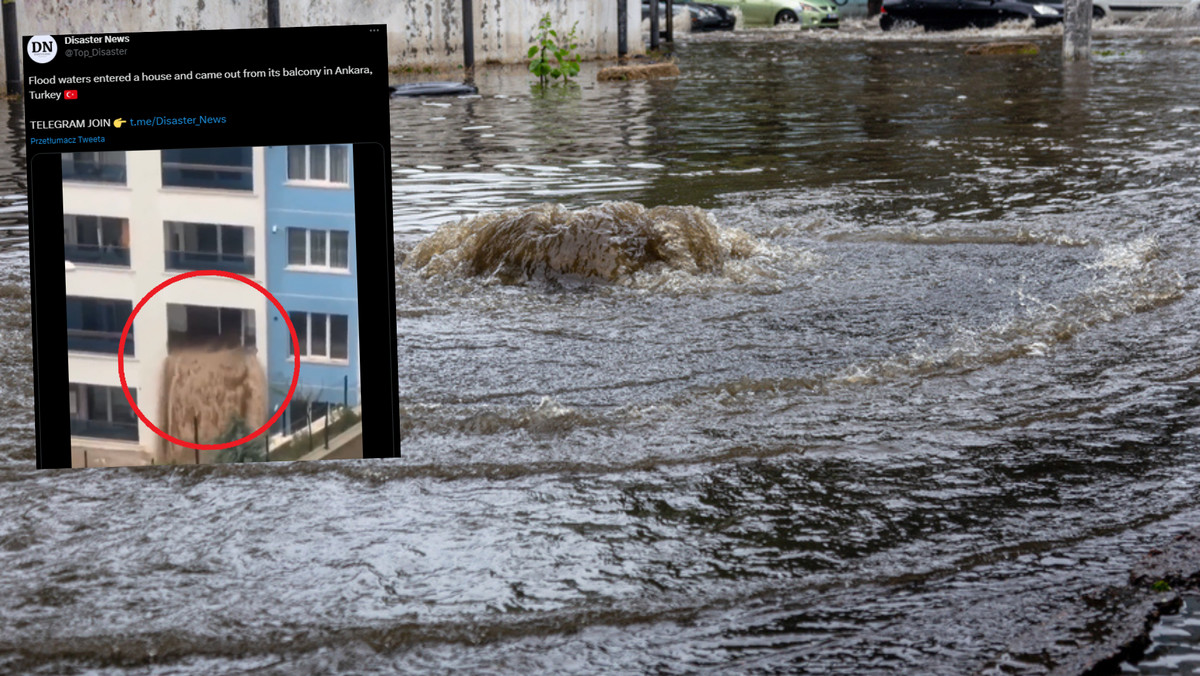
{"x": 786, "y": 16}
{"x": 886, "y": 22}
{"x": 1097, "y": 12}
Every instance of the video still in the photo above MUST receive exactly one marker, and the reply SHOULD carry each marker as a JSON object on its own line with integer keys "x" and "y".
{"x": 209, "y": 358}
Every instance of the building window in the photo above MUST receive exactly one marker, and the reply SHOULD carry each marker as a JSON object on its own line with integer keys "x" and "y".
{"x": 95, "y": 166}
{"x": 206, "y": 246}
{"x": 103, "y": 412}
{"x": 320, "y": 335}
{"x": 95, "y": 324}
{"x": 328, "y": 249}
{"x": 96, "y": 240}
{"x": 204, "y": 327}
{"x": 339, "y": 249}
{"x": 219, "y": 168}
{"x": 339, "y": 335}
{"x": 319, "y": 164}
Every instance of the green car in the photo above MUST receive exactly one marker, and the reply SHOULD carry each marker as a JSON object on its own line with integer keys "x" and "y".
{"x": 807, "y": 13}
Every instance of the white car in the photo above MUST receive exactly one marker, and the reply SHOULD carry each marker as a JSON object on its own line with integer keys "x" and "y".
{"x": 1127, "y": 9}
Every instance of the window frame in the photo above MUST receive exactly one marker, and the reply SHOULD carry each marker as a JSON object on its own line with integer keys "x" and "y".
{"x": 326, "y": 165}
{"x": 245, "y": 262}
{"x": 201, "y": 173}
{"x": 74, "y": 224}
{"x": 306, "y": 341}
{"x": 107, "y": 311}
{"x": 111, "y": 394}
{"x": 308, "y": 264}
{"x": 106, "y": 407}
{"x": 100, "y": 163}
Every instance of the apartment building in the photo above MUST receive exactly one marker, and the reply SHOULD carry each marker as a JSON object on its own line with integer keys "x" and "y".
{"x": 131, "y": 221}
{"x": 311, "y": 269}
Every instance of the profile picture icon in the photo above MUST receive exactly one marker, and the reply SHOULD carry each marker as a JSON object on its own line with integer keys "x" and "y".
{"x": 42, "y": 48}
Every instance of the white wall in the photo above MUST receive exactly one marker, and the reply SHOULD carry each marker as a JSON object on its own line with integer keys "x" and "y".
{"x": 420, "y": 32}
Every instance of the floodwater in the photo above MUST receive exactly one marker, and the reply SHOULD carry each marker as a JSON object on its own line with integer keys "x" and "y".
{"x": 953, "y": 390}
{"x": 1174, "y": 642}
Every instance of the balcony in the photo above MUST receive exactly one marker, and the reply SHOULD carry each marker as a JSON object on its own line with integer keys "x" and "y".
{"x": 95, "y": 324}
{"x": 94, "y": 167}
{"x": 95, "y": 254}
{"x": 201, "y": 327}
{"x": 210, "y": 260}
{"x": 216, "y": 168}
{"x": 102, "y": 342}
{"x": 103, "y": 429}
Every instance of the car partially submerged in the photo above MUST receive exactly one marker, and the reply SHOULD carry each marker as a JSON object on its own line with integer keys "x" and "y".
{"x": 702, "y": 16}
{"x": 953, "y": 14}
{"x": 807, "y": 13}
{"x": 1128, "y": 9}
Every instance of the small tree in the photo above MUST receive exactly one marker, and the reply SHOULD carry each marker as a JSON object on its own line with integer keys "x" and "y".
{"x": 549, "y": 45}
{"x": 254, "y": 450}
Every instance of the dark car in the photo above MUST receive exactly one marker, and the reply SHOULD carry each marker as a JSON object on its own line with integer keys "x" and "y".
{"x": 704, "y": 17}
{"x": 952, "y": 14}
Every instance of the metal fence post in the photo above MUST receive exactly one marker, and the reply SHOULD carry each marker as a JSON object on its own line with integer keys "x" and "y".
{"x": 12, "y": 48}
{"x": 670, "y": 21}
{"x": 622, "y": 28}
{"x": 653, "y": 24}
{"x": 468, "y": 10}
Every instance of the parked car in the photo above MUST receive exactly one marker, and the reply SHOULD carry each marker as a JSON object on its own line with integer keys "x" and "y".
{"x": 952, "y": 14}
{"x": 704, "y": 17}
{"x": 807, "y": 13}
{"x": 1128, "y": 9}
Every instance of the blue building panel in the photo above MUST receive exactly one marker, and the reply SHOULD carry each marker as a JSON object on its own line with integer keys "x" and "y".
{"x": 311, "y": 269}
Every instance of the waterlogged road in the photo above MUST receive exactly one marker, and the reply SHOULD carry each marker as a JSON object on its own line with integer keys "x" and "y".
{"x": 952, "y": 390}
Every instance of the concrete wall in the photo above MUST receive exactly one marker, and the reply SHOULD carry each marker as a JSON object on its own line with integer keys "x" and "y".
{"x": 429, "y": 32}
{"x": 420, "y": 32}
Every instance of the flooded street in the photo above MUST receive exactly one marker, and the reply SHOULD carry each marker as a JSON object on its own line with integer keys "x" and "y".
{"x": 952, "y": 388}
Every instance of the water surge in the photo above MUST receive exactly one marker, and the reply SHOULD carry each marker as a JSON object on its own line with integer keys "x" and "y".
{"x": 609, "y": 242}
{"x": 207, "y": 392}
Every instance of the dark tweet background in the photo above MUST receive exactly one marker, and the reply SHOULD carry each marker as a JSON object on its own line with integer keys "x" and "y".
{"x": 350, "y": 108}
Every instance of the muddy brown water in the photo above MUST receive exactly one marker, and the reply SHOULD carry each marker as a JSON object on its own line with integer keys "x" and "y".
{"x": 209, "y": 390}
{"x": 954, "y": 391}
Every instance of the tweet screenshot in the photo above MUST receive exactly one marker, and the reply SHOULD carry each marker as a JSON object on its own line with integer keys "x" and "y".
{"x": 211, "y": 246}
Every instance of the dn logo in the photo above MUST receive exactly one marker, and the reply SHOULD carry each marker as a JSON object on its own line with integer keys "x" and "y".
{"x": 42, "y": 48}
